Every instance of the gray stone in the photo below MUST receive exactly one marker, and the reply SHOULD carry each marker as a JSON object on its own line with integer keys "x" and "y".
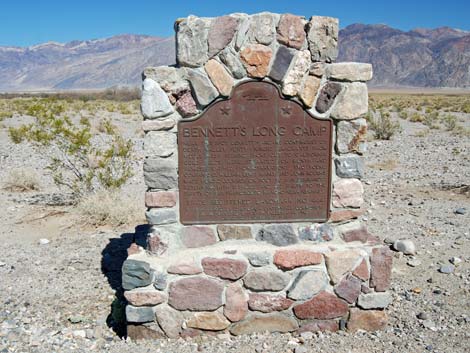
{"x": 307, "y": 284}
{"x": 348, "y": 288}
{"x": 242, "y": 33}
{"x": 461, "y": 210}
{"x": 154, "y": 102}
{"x": 191, "y": 41}
{"x": 281, "y": 63}
{"x": 263, "y": 27}
{"x": 349, "y": 71}
{"x": 160, "y": 280}
{"x": 405, "y": 246}
{"x": 221, "y": 33}
{"x": 159, "y": 125}
{"x": 160, "y": 144}
{"x": 447, "y": 269}
{"x": 351, "y": 136}
{"x": 266, "y": 280}
{"x": 264, "y": 322}
{"x": 353, "y": 102}
{"x": 161, "y": 173}
{"x": 203, "y": 88}
{"x": 278, "y": 234}
{"x": 316, "y": 232}
{"x": 413, "y": 262}
{"x": 140, "y": 313}
{"x": 170, "y": 320}
{"x": 232, "y": 62}
{"x": 157, "y": 216}
{"x": 171, "y": 79}
{"x": 378, "y": 300}
{"x": 258, "y": 259}
{"x": 292, "y": 83}
{"x": 349, "y": 167}
{"x": 327, "y": 96}
{"x": 136, "y": 274}
{"x": 322, "y": 38}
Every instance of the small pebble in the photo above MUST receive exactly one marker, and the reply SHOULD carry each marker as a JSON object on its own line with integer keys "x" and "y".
{"x": 79, "y": 333}
{"x": 2, "y": 264}
{"x": 44, "y": 241}
{"x": 307, "y": 335}
{"x": 422, "y": 316}
{"x": 455, "y": 260}
{"x": 447, "y": 269}
{"x": 460, "y": 210}
{"x": 413, "y": 262}
{"x": 405, "y": 246}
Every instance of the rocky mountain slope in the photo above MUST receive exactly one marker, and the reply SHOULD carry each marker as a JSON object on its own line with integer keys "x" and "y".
{"x": 90, "y": 64}
{"x": 421, "y": 57}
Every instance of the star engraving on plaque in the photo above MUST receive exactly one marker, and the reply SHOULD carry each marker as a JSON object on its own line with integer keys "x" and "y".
{"x": 225, "y": 111}
{"x": 286, "y": 110}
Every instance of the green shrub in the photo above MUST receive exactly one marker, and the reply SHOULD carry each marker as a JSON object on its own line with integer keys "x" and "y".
{"x": 76, "y": 162}
{"x": 383, "y": 126}
{"x": 450, "y": 122}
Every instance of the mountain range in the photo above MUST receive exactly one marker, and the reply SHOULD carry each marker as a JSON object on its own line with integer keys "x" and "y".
{"x": 418, "y": 58}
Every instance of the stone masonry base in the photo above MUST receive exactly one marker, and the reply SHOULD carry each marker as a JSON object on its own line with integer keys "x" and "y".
{"x": 246, "y": 287}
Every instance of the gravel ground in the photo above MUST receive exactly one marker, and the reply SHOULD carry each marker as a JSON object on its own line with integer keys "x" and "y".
{"x": 58, "y": 297}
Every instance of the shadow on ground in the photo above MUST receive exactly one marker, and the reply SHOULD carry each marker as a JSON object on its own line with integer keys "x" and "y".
{"x": 112, "y": 258}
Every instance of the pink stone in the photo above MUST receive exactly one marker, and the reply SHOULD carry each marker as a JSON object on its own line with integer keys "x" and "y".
{"x": 359, "y": 233}
{"x": 195, "y": 237}
{"x": 345, "y": 215}
{"x": 256, "y": 59}
{"x": 322, "y": 306}
{"x": 348, "y": 288}
{"x": 221, "y": 32}
{"x": 236, "y": 306}
{"x": 185, "y": 267}
{"x": 134, "y": 249}
{"x": 381, "y": 268}
{"x": 156, "y": 245}
{"x": 224, "y": 268}
{"x": 368, "y": 320}
{"x": 267, "y": 303}
{"x": 340, "y": 263}
{"x": 290, "y": 259}
{"x": 186, "y": 105}
{"x": 320, "y": 325}
{"x": 362, "y": 271}
{"x": 161, "y": 198}
{"x": 290, "y": 31}
{"x": 196, "y": 293}
{"x": 219, "y": 77}
{"x": 348, "y": 193}
{"x": 144, "y": 297}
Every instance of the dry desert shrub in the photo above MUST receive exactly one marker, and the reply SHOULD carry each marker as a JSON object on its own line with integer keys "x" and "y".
{"x": 109, "y": 208}
{"x": 383, "y": 125}
{"x": 22, "y": 180}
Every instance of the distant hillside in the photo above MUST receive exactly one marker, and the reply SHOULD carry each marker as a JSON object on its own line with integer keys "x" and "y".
{"x": 421, "y": 57}
{"x": 89, "y": 64}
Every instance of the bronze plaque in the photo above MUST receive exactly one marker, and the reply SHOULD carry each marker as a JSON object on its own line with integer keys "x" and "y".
{"x": 254, "y": 158}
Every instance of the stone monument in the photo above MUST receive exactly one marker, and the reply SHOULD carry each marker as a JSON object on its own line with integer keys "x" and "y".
{"x": 254, "y": 145}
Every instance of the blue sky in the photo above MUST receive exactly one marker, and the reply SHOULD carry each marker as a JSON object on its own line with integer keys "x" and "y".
{"x": 29, "y": 22}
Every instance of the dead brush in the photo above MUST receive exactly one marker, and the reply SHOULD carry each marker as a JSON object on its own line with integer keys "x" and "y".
{"x": 22, "y": 180}
{"x": 106, "y": 208}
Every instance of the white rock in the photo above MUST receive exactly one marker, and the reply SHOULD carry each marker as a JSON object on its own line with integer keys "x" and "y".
{"x": 79, "y": 333}
{"x": 160, "y": 144}
{"x": 405, "y": 246}
{"x": 44, "y": 241}
{"x": 353, "y": 103}
{"x": 2, "y": 264}
{"x": 348, "y": 71}
{"x": 455, "y": 260}
{"x": 377, "y": 300}
{"x": 154, "y": 102}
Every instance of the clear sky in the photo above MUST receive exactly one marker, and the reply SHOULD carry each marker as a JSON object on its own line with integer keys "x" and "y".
{"x": 28, "y": 22}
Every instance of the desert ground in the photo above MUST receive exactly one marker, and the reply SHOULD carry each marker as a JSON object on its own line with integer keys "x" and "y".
{"x": 60, "y": 267}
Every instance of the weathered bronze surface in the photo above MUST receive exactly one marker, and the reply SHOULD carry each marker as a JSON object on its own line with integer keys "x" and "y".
{"x": 255, "y": 157}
